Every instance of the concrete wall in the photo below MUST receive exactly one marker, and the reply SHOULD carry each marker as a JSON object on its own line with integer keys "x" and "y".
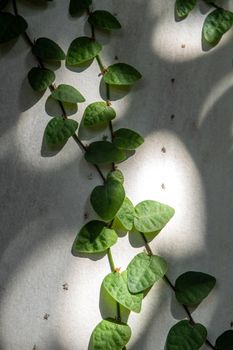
{"x": 44, "y": 198}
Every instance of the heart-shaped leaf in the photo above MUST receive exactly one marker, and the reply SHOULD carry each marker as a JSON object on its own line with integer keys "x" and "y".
{"x": 127, "y": 139}
{"x": 98, "y": 113}
{"x": 217, "y": 23}
{"x": 47, "y": 49}
{"x": 67, "y": 93}
{"x": 192, "y": 287}
{"x": 104, "y": 152}
{"x": 225, "y": 341}
{"x": 144, "y": 271}
{"x": 184, "y": 336}
{"x": 78, "y": 5}
{"x": 121, "y": 74}
{"x": 125, "y": 216}
{"x": 116, "y": 175}
{"x": 110, "y": 334}
{"x": 152, "y": 216}
{"x": 81, "y": 50}
{"x": 40, "y": 78}
{"x": 59, "y": 130}
{"x": 184, "y": 7}
{"x": 116, "y": 285}
{"x": 104, "y": 20}
{"x": 11, "y": 26}
{"x": 94, "y": 237}
{"x": 107, "y": 199}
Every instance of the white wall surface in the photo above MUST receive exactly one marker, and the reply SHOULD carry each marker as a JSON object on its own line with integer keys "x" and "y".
{"x": 44, "y": 199}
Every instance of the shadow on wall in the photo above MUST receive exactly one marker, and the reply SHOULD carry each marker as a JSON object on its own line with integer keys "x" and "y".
{"x": 177, "y": 108}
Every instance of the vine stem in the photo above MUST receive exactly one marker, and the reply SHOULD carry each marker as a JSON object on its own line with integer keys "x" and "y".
{"x": 103, "y": 71}
{"x": 212, "y": 4}
{"x": 113, "y": 269}
{"x": 110, "y": 259}
{"x": 52, "y": 88}
{"x": 171, "y": 285}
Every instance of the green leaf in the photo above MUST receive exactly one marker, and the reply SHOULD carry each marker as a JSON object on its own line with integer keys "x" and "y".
{"x": 104, "y": 152}
{"x": 110, "y": 334}
{"x": 152, "y": 216}
{"x": 81, "y": 50}
{"x": 192, "y": 287}
{"x": 116, "y": 285}
{"x": 116, "y": 175}
{"x": 98, "y": 113}
{"x": 127, "y": 139}
{"x": 144, "y": 271}
{"x": 121, "y": 74}
{"x": 225, "y": 341}
{"x": 184, "y": 7}
{"x": 94, "y": 237}
{"x": 78, "y": 5}
{"x": 184, "y": 336}
{"x": 59, "y": 130}
{"x": 217, "y": 23}
{"x": 107, "y": 199}
{"x": 125, "y": 216}
{"x": 11, "y": 26}
{"x": 40, "y": 78}
{"x": 67, "y": 93}
{"x": 104, "y": 20}
{"x": 47, "y": 49}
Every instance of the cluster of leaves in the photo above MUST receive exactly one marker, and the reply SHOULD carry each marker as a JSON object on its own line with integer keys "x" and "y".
{"x": 216, "y": 23}
{"x": 115, "y": 210}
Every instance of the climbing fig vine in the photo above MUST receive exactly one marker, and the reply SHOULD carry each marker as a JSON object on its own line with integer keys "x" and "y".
{"x": 115, "y": 210}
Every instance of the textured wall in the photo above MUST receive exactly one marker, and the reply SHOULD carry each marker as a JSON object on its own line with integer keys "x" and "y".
{"x": 44, "y": 198}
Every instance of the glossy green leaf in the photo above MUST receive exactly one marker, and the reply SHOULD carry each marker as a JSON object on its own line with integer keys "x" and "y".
{"x": 47, "y": 49}
{"x": 144, "y": 271}
{"x": 40, "y": 78}
{"x": 78, "y": 5}
{"x": 121, "y": 74}
{"x": 192, "y": 287}
{"x": 94, "y": 237}
{"x": 225, "y": 341}
{"x": 127, "y": 139}
{"x": 125, "y": 216}
{"x": 104, "y": 20}
{"x": 110, "y": 334}
{"x": 116, "y": 285}
{"x": 184, "y": 7}
{"x": 59, "y": 130}
{"x": 67, "y": 93}
{"x": 107, "y": 199}
{"x": 11, "y": 26}
{"x": 217, "y": 23}
{"x": 81, "y": 50}
{"x": 184, "y": 336}
{"x": 98, "y": 113}
{"x": 116, "y": 175}
{"x": 152, "y": 216}
{"x": 104, "y": 152}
